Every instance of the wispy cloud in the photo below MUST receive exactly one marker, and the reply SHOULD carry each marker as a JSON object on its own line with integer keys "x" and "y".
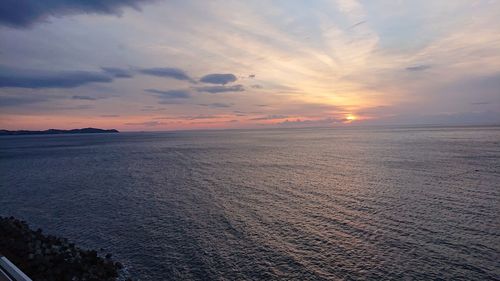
{"x": 421, "y": 67}
{"x": 216, "y": 105}
{"x": 271, "y": 117}
{"x": 147, "y": 123}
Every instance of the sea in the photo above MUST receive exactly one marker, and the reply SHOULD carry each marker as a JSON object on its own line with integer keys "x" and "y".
{"x": 380, "y": 203}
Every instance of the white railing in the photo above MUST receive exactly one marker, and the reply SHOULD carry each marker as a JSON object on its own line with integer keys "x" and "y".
{"x": 10, "y": 272}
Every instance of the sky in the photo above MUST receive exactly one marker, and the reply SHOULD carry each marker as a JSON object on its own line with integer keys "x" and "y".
{"x": 146, "y": 65}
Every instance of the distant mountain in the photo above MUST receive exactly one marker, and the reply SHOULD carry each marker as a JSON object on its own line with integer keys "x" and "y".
{"x": 56, "y": 132}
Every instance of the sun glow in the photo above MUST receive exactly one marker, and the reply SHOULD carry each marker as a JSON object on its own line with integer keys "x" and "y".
{"x": 350, "y": 118}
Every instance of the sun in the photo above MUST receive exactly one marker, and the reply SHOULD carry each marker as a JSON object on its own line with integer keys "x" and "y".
{"x": 350, "y": 117}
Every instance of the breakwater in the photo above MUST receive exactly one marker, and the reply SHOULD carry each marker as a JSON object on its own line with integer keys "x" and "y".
{"x": 47, "y": 257}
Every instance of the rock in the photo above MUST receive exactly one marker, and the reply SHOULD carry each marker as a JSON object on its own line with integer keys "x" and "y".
{"x": 47, "y": 257}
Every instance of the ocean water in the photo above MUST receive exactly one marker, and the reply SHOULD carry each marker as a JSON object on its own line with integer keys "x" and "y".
{"x": 289, "y": 204}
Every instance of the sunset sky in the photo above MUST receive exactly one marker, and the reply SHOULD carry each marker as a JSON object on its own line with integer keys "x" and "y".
{"x": 167, "y": 65}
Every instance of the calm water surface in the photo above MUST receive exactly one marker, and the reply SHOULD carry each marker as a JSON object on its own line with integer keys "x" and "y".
{"x": 301, "y": 204}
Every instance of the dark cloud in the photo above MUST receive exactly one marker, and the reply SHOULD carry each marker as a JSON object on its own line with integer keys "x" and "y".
{"x": 167, "y": 72}
{"x": 76, "y": 107}
{"x": 270, "y": 117}
{"x": 25, "y": 13}
{"x": 35, "y": 79}
{"x": 421, "y": 67}
{"x": 171, "y": 101}
{"x": 78, "y": 97}
{"x": 8, "y": 101}
{"x": 216, "y": 105}
{"x": 257, "y": 86}
{"x": 221, "y": 89}
{"x": 118, "y": 72}
{"x": 216, "y": 78}
{"x": 251, "y": 76}
{"x": 109, "y": 115}
{"x": 169, "y": 94}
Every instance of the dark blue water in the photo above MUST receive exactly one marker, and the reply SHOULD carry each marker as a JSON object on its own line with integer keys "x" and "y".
{"x": 302, "y": 204}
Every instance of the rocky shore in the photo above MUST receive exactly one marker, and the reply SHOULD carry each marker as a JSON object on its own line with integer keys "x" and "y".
{"x": 46, "y": 257}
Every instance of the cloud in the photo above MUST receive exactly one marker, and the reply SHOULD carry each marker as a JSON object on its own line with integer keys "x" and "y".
{"x": 35, "y": 79}
{"x": 239, "y": 113}
{"x": 148, "y": 124}
{"x": 25, "y": 13}
{"x": 357, "y": 24}
{"x": 421, "y": 67}
{"x": 70, "y": 108}
{"x": 257, "y": 86}
{"x": 216, "y": 105}
{"x": 29, "y": 99}
{"x": 170, "y": 94}
{"x": 221, "y": 89}
{"x": 78, "y": 97}
{"x": 221, "y": 79}
{"x": 167, "y": 72}
{"x": 8, "y": 101}
{"x": 198, "y": 117}
{"x": 189, "y": 117}
{"x": 251, "y": 76}
{"x": 317, "y": 122}
{"x": 118, "y": 72}
{"x": 109, "y": 115}
{"x": 151, "y": 108}
{"x": 270, "y": 117}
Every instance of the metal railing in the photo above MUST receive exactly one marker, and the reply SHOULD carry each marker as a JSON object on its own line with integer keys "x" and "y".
{"x": 10, "y": 272}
